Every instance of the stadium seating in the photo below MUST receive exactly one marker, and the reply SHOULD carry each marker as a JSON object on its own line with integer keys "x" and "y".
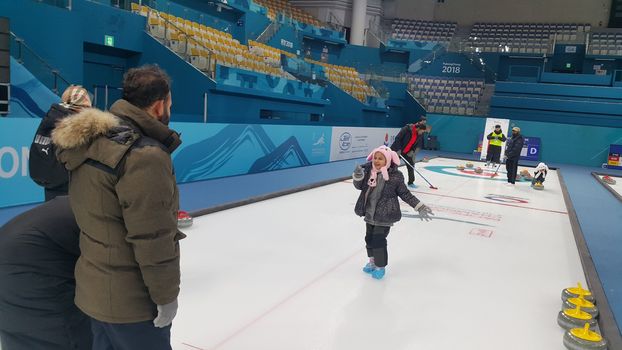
{"x": 415, "y": 30}
{"x": 204, "y": 47}
{"x": 609, "y": 44}
{"x": 284, "y": 7}
{"x": 449, "y": 96}
{"x": 348, "y": 80}
{"x": 521, "y": 37}
{"x": 271, "y": 55}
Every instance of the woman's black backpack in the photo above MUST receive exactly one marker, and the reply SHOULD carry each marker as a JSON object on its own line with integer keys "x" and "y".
{"x": 44, "y": 167}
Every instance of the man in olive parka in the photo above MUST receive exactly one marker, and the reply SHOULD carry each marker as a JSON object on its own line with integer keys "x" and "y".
{"x": 125, "y": 199}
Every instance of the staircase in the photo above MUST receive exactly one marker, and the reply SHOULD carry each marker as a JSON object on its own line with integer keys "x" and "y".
{"x": 428, "y": 59}
{"x": 269, "y": 32}
{"x": 483, "y": 106}
{"x": 459, "y": 39}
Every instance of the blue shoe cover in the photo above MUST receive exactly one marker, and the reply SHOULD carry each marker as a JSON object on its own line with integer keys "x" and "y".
{"x": 369, "y": 267}
{"x": 378, "y": 273}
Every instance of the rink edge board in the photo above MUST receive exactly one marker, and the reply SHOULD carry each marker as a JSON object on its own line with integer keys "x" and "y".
{"x": 606, "y": 320}
{"x": 597, "y": 175}
{"x": 266, "y": 196}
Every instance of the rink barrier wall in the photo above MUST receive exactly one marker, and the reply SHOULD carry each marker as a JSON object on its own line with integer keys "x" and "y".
{"x": 597, "y": 175}
{"x": 208, "y": 151}
{"x": 583, "y": 145}
{"x": 264, "y": 197}
{"x": 606, "y": 319}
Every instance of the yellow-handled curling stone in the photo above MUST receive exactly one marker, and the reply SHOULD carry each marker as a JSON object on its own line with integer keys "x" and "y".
{"x": 584, "y": 339}
{"x": 586, "y": 306}
{"x": 573, "y": 292}
{"x": 573, "y": 318}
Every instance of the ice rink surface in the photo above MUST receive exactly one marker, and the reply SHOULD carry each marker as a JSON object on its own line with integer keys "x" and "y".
{"x": 486, "y": 273}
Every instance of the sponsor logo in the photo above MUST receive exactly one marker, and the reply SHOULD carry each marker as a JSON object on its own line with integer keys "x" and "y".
{"x": 345, "y": 141}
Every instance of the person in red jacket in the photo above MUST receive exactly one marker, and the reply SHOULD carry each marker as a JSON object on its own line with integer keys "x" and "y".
{"x": 408, "y": 142}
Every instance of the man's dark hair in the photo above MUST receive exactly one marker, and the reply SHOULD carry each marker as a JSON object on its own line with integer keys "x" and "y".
{"x": 145, "y": 85}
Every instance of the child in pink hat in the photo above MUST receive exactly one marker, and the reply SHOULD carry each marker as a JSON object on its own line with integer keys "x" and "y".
{"x": 381, "y": 183}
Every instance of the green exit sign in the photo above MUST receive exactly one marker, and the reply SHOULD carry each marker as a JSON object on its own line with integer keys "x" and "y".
{"x": 108, "y": 40}
{"x": 568, "y": 65}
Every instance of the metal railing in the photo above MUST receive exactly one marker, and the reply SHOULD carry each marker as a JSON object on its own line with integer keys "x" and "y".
{"x": 185, "y": 37}
{"x": 103, "y": 94}
{"x": 66, "y": 4}
{"x": 26, "y": 56}
{"x": 269, "y": 32}
{"x": 335, "y": 23}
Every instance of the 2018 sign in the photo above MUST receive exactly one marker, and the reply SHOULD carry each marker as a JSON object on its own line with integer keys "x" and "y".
{"x": 451, "y": 68}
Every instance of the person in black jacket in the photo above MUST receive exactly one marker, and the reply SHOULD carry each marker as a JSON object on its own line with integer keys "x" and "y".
{"x": 380, "y": 183}
{"x": 44, "y": 168}
{"x": 38, "y": 253}
{"x": 513, "y": 148}
{"x": 408, "y": 141}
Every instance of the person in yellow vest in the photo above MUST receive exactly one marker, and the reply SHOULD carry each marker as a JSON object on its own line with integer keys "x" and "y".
{"x": 495, "y": 141}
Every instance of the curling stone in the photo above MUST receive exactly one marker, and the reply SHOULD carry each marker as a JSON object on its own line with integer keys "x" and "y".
{"x": 479, "y": 170}
{"x": 609, "y": 180}
{"x": 183, "y": 219}
{"x": 538, "y": 186}
{"x": 469, "y": 165}
{"x": 573, "y": 292}
{"x": 584, "y": 339}
{"x": 573, "y": 318}
{"x": 425, "y": 159}
{"x": 586, "y": 306}
{"x": 460, "y": 167}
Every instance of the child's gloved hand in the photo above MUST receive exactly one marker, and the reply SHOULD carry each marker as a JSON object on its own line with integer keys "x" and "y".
{"x": 425, "y": 212}
{"x": 358, "y": 173}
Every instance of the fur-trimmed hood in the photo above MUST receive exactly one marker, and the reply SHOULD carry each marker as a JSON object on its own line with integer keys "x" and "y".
{"x": 105, "y": 137}
{"x": 92, "y": 134}
{"x": 82, "y": 128}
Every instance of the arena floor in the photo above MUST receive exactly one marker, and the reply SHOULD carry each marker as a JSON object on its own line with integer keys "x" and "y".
{"x": 285, "y": 273}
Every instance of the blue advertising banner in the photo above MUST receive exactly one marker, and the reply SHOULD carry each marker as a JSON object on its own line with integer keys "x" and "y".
{"x": 208, "y": 151}
{"x": 531, "y": 149}
{"x": 216, "y": 150}
{"x": 16, "y": 187}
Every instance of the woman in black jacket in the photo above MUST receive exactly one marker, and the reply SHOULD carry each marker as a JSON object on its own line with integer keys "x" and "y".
{"x": 38, "y": 253}
{"x": 43, "y": 166}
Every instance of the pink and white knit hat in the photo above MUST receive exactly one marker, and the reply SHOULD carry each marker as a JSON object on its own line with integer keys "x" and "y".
{"x": 76, "y": 97}
{"x": 390, "y": 156}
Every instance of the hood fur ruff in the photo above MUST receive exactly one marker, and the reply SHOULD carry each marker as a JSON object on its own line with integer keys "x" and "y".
{"x": 80, "y": 129}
